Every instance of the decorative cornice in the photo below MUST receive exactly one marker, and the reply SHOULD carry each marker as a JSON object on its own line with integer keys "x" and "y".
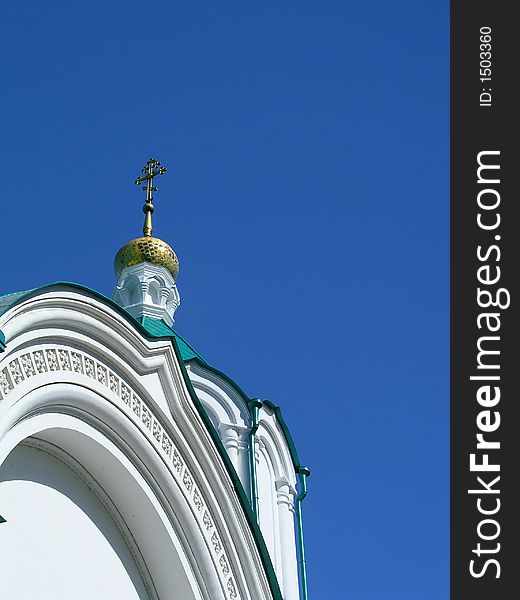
{"x": 58, "y": 358}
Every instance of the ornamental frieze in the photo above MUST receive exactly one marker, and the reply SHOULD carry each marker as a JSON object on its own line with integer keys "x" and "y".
{"x": 55, "y": 359}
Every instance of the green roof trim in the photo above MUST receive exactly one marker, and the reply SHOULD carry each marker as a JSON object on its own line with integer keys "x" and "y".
{"x": 288, "y": 437}
{"x": 2, "y": 341}
{"x": 10, "y": 300}
{"x": 159, "y": 329}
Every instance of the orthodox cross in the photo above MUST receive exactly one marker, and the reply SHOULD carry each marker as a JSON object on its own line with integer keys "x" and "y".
{"x": 151, "y": 169}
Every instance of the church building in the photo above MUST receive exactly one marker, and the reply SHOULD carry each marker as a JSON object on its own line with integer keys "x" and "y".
{"x": 130, "y": 468}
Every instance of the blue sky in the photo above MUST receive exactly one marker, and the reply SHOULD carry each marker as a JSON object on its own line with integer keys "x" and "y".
{"x": 307, "y": 200}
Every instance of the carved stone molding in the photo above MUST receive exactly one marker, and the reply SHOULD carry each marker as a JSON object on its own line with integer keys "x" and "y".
{"x": 53, "y": 358}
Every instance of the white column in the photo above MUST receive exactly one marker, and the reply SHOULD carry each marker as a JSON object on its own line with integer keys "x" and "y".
{"x": 285, "y": 494}
{"x": 229, "y": 436}
{"x": 243, "y": 457}
{"x": 235, "y": 440}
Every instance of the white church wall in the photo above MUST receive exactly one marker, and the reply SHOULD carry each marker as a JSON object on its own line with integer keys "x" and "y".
{"x": 276, "y": 479}
{"x": 135, "y": 512}
{"x": 276, "y": 495}
{"x": 62, "y": 541}
{"x": 268, "y": 517}
{"x": 74, "y": 364}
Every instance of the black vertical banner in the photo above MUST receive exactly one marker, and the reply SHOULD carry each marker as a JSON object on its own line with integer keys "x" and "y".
{"x": 485, "y": 301}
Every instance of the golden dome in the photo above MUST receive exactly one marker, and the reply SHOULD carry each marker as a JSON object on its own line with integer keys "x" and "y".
{"x": 147, "y": 249}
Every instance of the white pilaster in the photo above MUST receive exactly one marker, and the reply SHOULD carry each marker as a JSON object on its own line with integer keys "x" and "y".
{"x": 234, "y": 438}
{"x": 285, "y": 494}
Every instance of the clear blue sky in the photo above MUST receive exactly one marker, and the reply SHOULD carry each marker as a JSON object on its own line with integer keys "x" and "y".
{"x": 307, "y": 200}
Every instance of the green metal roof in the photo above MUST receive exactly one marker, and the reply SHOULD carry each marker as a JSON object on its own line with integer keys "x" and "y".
{"x": 158, "y": 328}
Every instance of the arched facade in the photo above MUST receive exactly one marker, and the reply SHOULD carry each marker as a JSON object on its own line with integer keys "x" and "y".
{"x": 105, "y": 407}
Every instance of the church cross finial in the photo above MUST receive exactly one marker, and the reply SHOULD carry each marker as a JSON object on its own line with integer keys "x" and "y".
{"x": 151, "y": 169}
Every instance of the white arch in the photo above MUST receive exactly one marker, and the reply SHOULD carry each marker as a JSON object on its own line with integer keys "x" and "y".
{"x": 154, "y": 530}
{"x": 63, "y": 537}
{"x": 66, "y": 343}
{"x": 217, "y": 392}
{"x": 230, "y": 415}
{"x": 273, "y": 439}
{"x": 154, "y": 290}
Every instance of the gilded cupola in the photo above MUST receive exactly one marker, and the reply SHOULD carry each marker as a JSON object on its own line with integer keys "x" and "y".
{"x": 147, "y": 267}
{"x": 148, "y": 248}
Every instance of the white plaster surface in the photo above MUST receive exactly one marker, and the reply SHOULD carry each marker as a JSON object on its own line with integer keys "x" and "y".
{"x": 276, "y": 478}
{"x": 59, "y": 541}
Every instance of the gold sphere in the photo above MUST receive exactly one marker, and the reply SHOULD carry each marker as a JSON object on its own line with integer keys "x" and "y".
{"x": 147, "y": 249}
